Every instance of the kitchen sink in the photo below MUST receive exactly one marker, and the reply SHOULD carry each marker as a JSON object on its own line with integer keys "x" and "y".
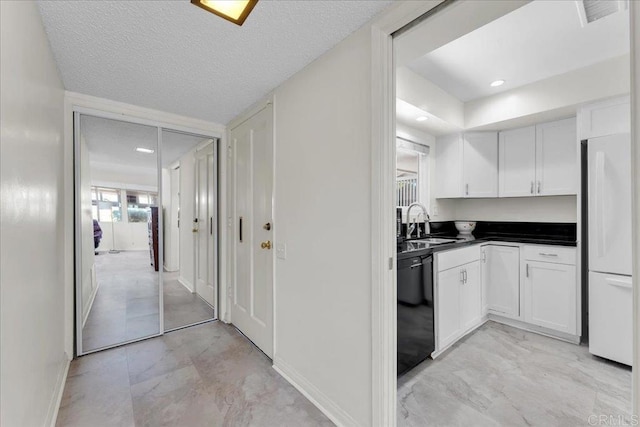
{"x": 436, "y": 240}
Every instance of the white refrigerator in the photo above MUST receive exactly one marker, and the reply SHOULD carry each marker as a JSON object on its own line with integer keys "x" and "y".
{"x": 609, "y": 247}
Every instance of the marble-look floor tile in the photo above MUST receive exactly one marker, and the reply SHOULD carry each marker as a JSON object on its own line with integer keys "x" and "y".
{"x": 504, "y": 376}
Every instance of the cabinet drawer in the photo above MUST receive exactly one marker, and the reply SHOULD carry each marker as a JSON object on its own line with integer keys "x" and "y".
{"x": 554, "y": 254}
{"x": 457, "y": 257}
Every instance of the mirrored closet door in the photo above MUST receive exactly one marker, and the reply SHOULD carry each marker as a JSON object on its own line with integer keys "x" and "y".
{"x": 147, "y": 231}
{"x": 118, "y": 288}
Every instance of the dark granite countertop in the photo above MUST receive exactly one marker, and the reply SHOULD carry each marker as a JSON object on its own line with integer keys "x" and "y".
{"x": 563, "y": 234}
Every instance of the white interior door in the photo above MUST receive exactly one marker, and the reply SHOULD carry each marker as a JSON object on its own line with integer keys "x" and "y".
{"x": 252, "y": 296}
{"x": 206, "y": 230}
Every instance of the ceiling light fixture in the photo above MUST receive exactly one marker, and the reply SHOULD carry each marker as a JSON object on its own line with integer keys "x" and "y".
{"x": 235, "y": 11}
{"x": 145, "y": 150}
{"x": 497, "y": 83}
{"x": 422, "y": 118}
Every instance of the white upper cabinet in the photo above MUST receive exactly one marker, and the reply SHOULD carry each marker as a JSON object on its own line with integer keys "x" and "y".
{"x": 603, "y": 118}
{"x": 539, "y": 160}
{"x": 556, "y": 158}
{"x": 449, "y": 166}
{"x": 517, "y": 171}
{"x": 480, "y": 164}
{"x": 467, "y": 165}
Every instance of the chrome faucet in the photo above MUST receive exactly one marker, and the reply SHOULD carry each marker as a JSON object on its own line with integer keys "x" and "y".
{"x": 415, "y": 225}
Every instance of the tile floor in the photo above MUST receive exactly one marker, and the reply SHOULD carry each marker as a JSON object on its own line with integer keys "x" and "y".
{"x": 502, "y": 376}
{"x": 205, "y": 375}
{"x": 126, "y": 305}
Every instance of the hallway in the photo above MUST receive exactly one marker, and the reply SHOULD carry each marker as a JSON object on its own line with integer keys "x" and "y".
{"x": 206, "y": 375}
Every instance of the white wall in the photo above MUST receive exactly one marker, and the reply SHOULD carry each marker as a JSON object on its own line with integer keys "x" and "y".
{"x": 323, "y": 214}
{"x": 521, "y": 209}
{"x": 127, "y": 177}
{"x": 604, "y": 79}
{"x": 32, "y": 357}
{"x": 187, "y": 202}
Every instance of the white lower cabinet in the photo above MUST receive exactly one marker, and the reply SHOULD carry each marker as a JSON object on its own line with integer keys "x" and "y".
{"x": 532, "y": 284}
{"x": 550, "y": 292}
{"x": 448, "y": 304}
{"x": 458, "y": 295}
{"x": 501, "y": 279}
{"x": 471, "y": 296}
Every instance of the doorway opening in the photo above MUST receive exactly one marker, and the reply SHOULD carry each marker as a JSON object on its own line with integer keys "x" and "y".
{"x": 503, "y": 100}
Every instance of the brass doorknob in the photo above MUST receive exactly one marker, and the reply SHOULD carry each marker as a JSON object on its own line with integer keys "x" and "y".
{"x": 266, "y": 245}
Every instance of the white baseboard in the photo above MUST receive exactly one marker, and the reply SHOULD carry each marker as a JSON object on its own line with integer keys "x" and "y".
{"x": 56, "y": 398}
{"x": 184, "y": 282}
{"x": 90, "y": 305}
{"x": 573, "y": 339}
{"x": 328, "y": 407}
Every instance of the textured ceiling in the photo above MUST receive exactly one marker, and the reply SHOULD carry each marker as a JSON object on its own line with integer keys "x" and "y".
{"x": 176, "y": 57}
{"x": 537, "y": 41}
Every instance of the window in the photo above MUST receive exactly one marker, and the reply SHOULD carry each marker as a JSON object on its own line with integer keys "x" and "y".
{"x": 138, "y": 204}
{"x": 412, "y": 173}
{"x": 105, "y": 204}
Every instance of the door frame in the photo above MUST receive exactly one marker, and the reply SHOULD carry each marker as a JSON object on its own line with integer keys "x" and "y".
{"x": 213, "y": 192}
{"x": 384, "y": 381}
{"x": 75, "y": 106}
{"x": 226, "y": 292}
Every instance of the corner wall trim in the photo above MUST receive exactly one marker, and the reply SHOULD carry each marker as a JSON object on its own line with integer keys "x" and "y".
{"x": 56, "y": 398}
{"x": 328, "y": 407}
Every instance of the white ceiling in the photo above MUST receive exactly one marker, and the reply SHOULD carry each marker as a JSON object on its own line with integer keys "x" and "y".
{"x": 176, "y": 57}
{"x": 407, "y": 114}
{"x": 541, "y": 39}
{"x": 115, "y": 142}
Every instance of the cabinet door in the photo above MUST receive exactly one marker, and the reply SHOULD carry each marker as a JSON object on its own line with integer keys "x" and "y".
{"x": 470, "y": 296}
{"x": 480, "y": 164}
{"x": 448, "y": 306}
{"x": 517, "y": 150}
{"x": 501, "y": 279}
{"x": 550, "y": 296}
{"x": 448, "y": 166}
{"x": 556, "y": 158}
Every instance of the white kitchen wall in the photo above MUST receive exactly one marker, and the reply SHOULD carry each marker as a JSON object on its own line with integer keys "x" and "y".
{"x": 521, "y": 209}
{"x": 32, "y": 357}
{"x": 604, "y": 79}
{"x": 323, "y": 215}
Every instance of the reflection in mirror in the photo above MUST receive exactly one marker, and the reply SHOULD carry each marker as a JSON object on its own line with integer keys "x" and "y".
{"x": 189, "y": 182}
{"x": 117, "y": 220}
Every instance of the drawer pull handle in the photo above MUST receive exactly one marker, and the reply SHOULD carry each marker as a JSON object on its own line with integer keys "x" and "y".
{"x": 545, "y": 254}
{"x": 416, "y": 265}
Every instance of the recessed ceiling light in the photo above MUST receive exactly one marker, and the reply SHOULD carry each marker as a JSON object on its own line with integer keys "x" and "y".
{"x": 422, "y": 118}
{"x": 145, "y": 150}
{"x": 497, "y": 83}
{"x": 235, "y": 11}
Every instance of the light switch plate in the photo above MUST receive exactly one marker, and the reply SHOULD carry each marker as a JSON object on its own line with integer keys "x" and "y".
{"x": 281, "y": 251}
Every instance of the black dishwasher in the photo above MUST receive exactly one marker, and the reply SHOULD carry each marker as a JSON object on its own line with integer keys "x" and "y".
{"x": 416, "y": 340}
